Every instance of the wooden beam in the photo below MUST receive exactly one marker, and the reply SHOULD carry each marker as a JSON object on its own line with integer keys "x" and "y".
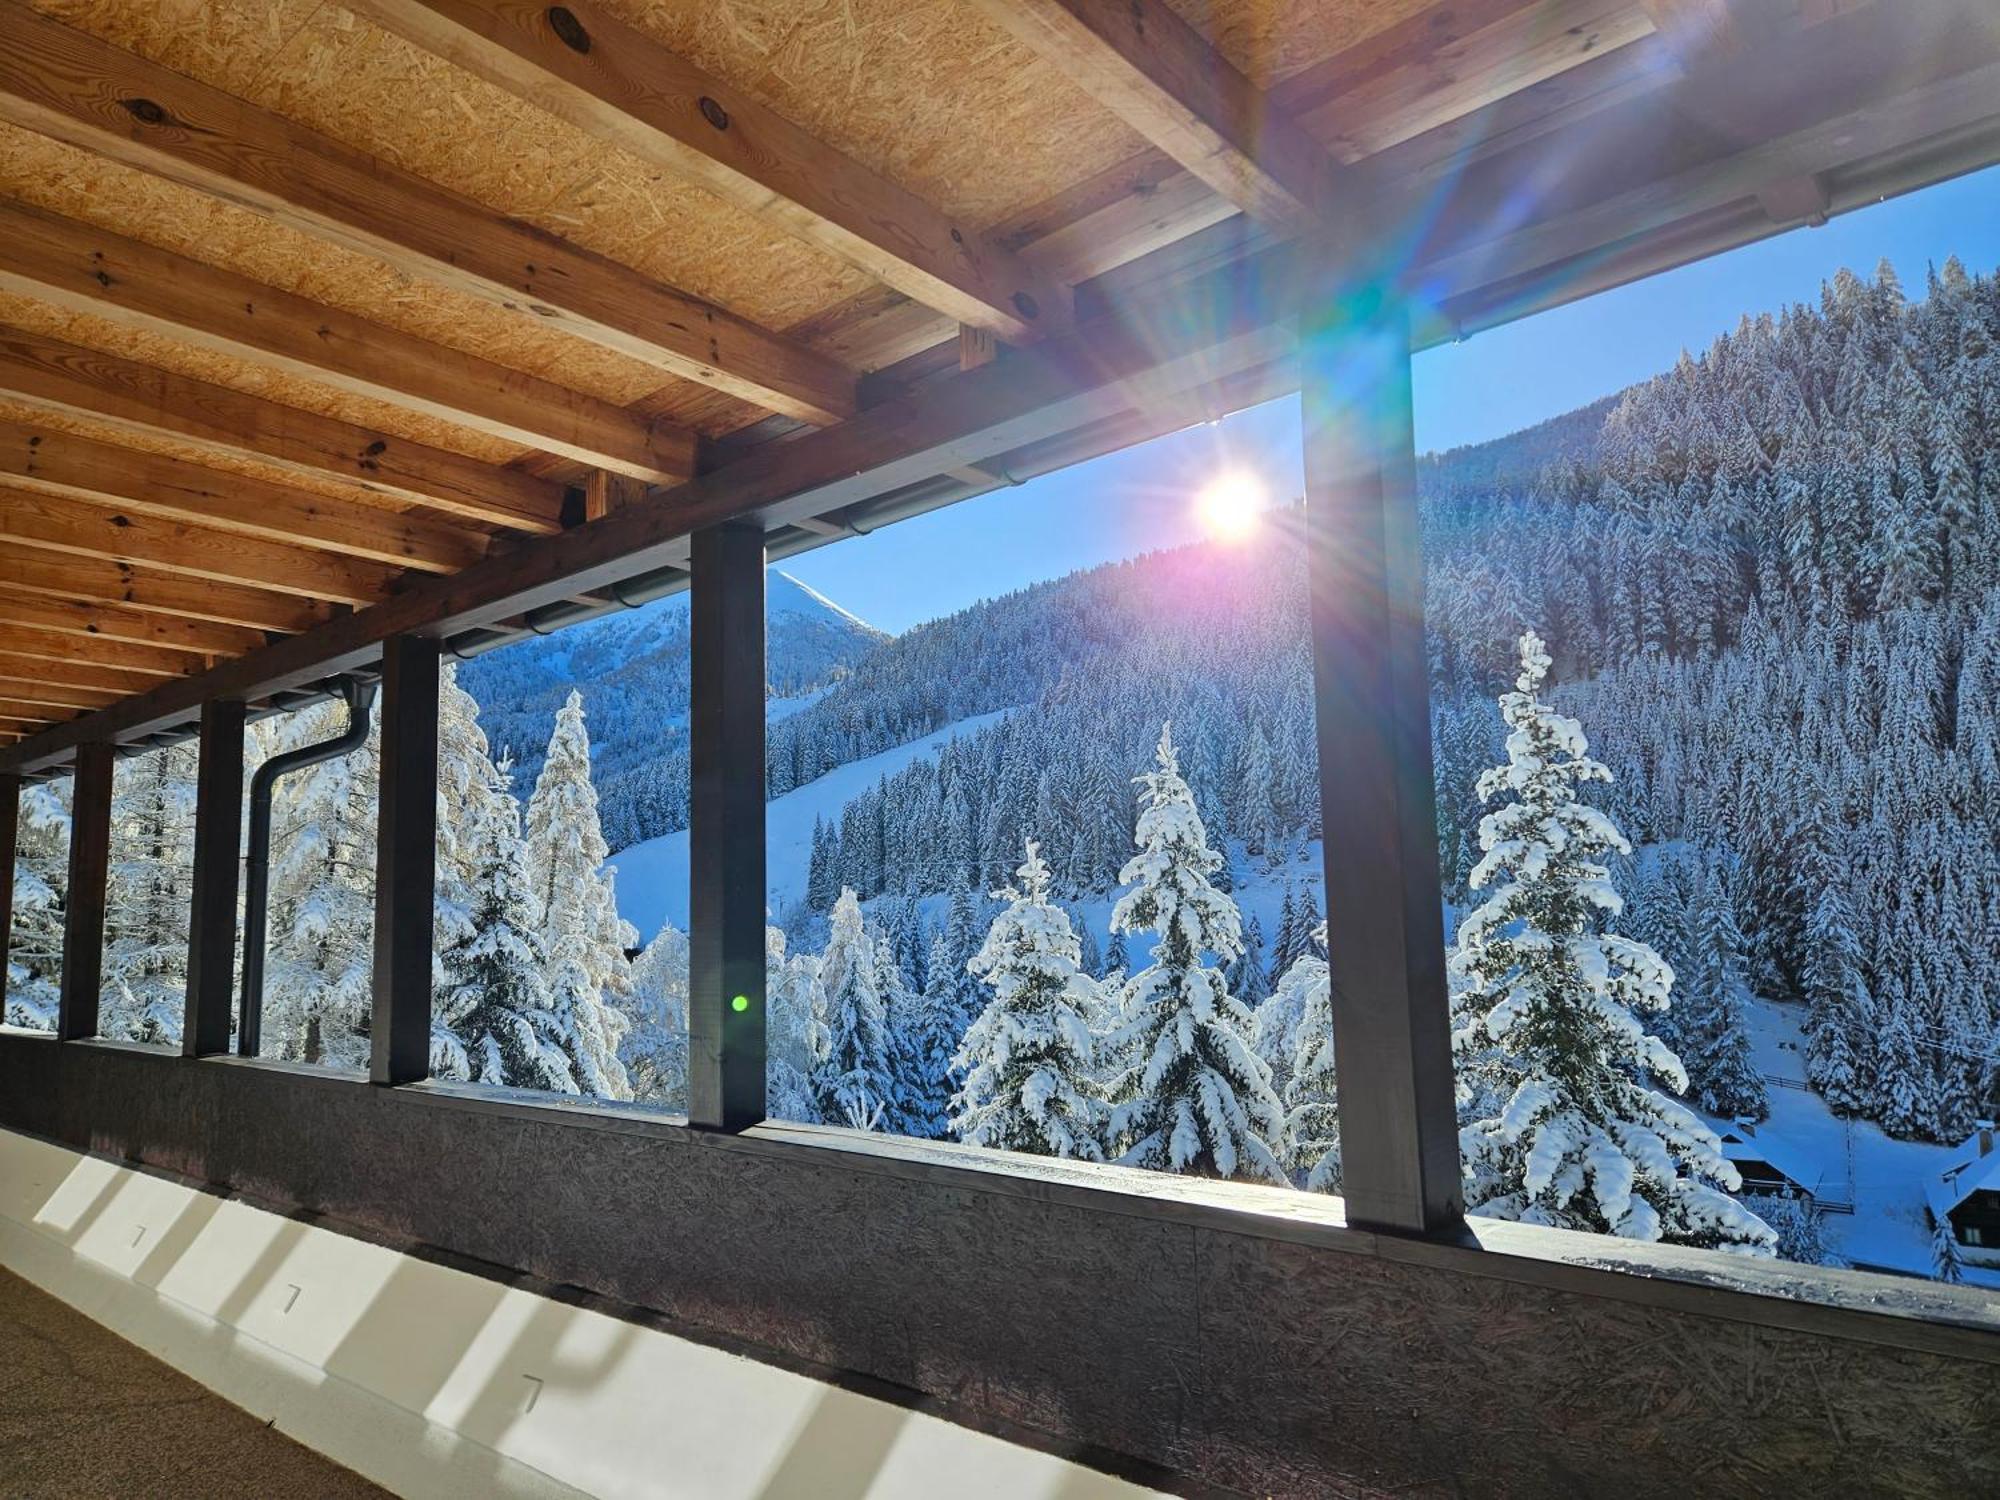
{"x": 52, "y": 462}
{"x": 68, "y": 84}
{"x": 604, "y": 493}
{"x": 212, "y": 907}
{"x": 92, "y": 271}
{"x": 111, "y": 628}
{"x": 33, "y": 691}
{"x": 83, "y": 903}
{"x": 80, "y": 670}
{"x": 144, "y": 400}
{"x": 68, "y": 646}
{"x": 582, "y": 63}
{"x": 405, "y": 862}
{"x": 1385, "y": 918}
{"x": 94, "y": 581}
{"x": 1141, "y": 61}
{"x": 182, "y": 547}
{"x": 726, "y": 1016}
{"x": 39, "y": 713}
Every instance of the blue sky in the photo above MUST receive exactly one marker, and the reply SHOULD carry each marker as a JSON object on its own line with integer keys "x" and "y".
{"x": 1491, "y": 384}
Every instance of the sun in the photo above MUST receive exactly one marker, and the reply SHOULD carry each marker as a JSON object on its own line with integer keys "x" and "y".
{"x": 1230, "y": 504}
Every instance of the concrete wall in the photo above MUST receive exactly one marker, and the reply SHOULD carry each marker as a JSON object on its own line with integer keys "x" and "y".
{"x": 1241, "y": 1337}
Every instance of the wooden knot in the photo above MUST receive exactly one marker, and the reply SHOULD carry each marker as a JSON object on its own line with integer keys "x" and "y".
{"x": 568, "y": 29}
{"x": 1026, "y": 305}
{"x": 714, "y": 113}
{"x": 145, "y": 111}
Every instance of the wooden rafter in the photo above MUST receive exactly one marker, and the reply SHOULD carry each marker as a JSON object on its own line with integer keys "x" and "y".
{"x": 67, "y": 84}
{"x": 77, "y": 670}
{"x": 59, "y": 463}
{"x": 87, "y": 582}
{"x": 59, "y": 525}
{"x": 143, "y": 399}
{"x": 21, "y": 638}
{"x": 582, "y": 63}
{"x": 105, "y": 275}
{"x": 32, "y": 692}
{"x": 113, "y": 628}
{"x": 1155, "y": 72}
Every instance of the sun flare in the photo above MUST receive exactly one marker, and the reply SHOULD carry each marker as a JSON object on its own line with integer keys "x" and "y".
{"x": 1230, "y": 505}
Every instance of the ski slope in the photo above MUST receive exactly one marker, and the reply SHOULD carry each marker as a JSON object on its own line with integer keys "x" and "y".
{"x": 653, "y": 876}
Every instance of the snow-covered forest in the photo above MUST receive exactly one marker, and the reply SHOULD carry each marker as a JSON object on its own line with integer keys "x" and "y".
{"x": 1768, "y": 584}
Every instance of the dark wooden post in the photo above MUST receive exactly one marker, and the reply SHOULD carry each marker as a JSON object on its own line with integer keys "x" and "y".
{"x": 1385, "y": 924}
{"x": 218, "y": 869}
{"x": 10, "y": 839}
{"x": 83, "y": 916}
{"x": 726, "y": 831}
{"x": 405, "y": 862}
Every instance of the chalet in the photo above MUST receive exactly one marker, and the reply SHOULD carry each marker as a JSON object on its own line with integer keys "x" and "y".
{"x": 1967, "y": 1195}
{"x": 1768, "y": 1163}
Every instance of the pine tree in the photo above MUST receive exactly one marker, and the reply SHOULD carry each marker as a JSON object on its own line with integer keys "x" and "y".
{"x": 1027, "y": 1060}
{"x": 41, "y": 885}
{"x": 852, "y": 1077}
{"x": 576, "y": 912}
{"x": 1248, "y": 977}
{"x": 1193, "y": 1096}
{"x": 1312, "y": 1100}
{"x": 148, "y": 895}
{"x": 795, "y": 1040}
{"x": 1945, "y": 1263}
{"x": 1544, "y": 1003}
{"x": 655, "y": 1048}
{"x": 1714, "y": 1039}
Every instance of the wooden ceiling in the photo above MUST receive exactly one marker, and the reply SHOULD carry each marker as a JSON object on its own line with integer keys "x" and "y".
{"x": 300, "y": 301}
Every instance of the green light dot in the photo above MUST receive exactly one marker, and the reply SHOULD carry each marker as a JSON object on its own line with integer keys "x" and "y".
{"x": 740, "y": 1004}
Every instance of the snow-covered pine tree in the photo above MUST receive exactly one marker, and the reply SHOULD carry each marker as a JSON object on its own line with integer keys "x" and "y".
{"x": 1312, "y": 1100}
{"x": 319, "y": 972}
{"x": 147, "y": 897}
{"x": 655, "y": 1048}
{"x": 1192, "y": 1096}
{"x": 41, "y": 881}
{"x": 1544, "y": 1000}
{"x": 853, "y": 1070}
{"x": 1249, "y": 977}
{"x": 1946, "y": 1264}
{"x": 1722, "y": 1078}
{"x": 795, "y": 1038}
{"x": 583, "y": 937}
{"x": 495, "y": 998}
{"x": 1028, "y": 1060}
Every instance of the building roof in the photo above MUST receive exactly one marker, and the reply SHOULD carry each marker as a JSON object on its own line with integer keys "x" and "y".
{"x": 1975, "y": 1168}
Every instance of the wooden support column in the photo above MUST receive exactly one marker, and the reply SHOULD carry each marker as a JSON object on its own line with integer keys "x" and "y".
{"x": 405, "y": 862}
{"x": 10, "y": 839}
{"x": 726, "y": 831}
{"x": 83, "y": 914}
{"x": 218, "y": 870}
{"x": 1385, "y": 925}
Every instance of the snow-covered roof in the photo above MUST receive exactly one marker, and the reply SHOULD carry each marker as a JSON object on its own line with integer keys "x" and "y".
{"x": 1976, "y": 1167}
{"x": 1742, "y": 1143}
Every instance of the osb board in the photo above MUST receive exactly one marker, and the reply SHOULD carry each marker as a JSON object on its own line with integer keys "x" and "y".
{"x": 243, "y": 375}
{"x": 1270, "y": 40}
{"x": 926, "y": 92}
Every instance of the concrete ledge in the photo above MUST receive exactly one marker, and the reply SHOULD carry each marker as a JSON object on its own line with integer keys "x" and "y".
{"x": 1245, "y": 1338}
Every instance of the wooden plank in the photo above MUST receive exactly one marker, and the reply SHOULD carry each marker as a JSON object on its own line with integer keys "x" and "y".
{"x": 32, "y": 691}
{"x": 123, "y": 657}
{"x": 94, "y": 581}
{"x": 52, "y": 462}
{"x": 1385, "y": 920}
{"x": 92, "y": 271}
{"x": 182, "y": 547}
{"x": 70, "y": 85}
{"x": 212, "y": 907}
{"x": 112, "y": 628}
{"x": 726, "y": 1015}
{"x": 603, "y": 493}
{"x": 83, "y": 909}
{"x": 1141, "y": 61}
{"x": 583, "y": 64}
{"x": 142, "y": 399}
{"x": 405, "y": 862}
{"x": 80, "y": 669}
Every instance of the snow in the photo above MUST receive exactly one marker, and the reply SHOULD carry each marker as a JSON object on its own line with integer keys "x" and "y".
{"x": 1888, "y": 1230}
{"x": 653, "y": 876}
